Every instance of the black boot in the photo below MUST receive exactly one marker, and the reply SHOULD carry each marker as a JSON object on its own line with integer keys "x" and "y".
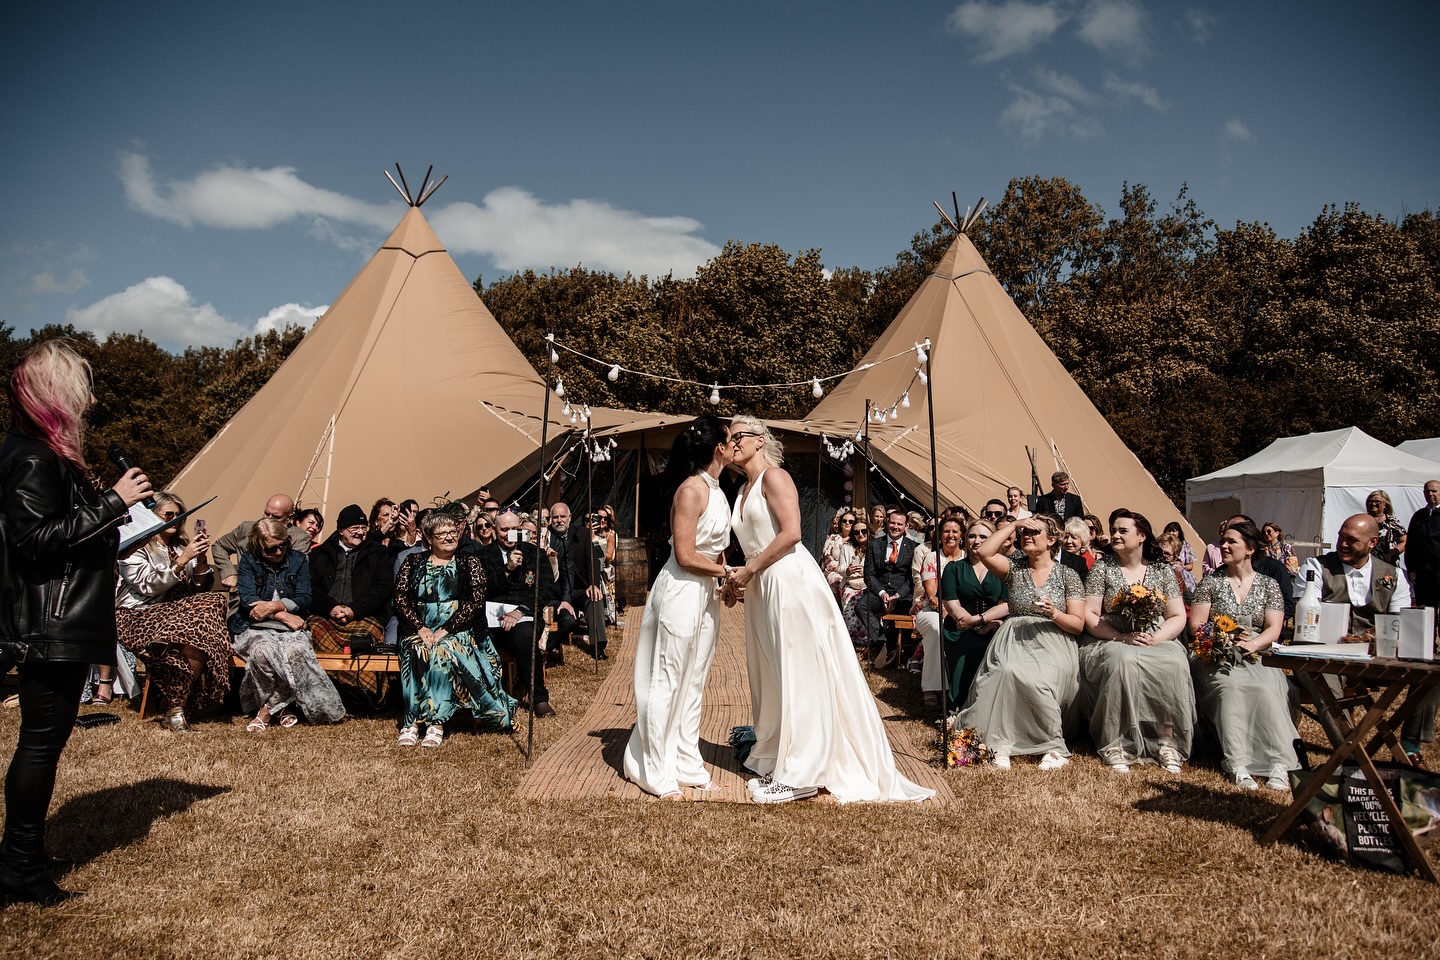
{"x": 36, "y": 887}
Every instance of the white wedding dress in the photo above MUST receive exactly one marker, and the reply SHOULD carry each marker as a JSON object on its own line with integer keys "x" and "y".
{"x": 816, "y": 723}
{"x": 672, "y": 659}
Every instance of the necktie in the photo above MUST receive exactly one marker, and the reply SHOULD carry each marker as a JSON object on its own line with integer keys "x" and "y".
{"x": 894, "y": 550}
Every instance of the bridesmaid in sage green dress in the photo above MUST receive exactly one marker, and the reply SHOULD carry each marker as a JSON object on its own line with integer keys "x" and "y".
{"x": 447, "y": 660}
{"x": 1025, "y": 691}
{"x": 1247, "y": 703}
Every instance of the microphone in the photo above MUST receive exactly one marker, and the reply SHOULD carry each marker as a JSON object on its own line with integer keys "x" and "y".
{"x": 117, "y": 456}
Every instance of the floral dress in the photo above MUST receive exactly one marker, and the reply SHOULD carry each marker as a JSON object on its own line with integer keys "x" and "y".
{"x": 1387, "y": 548}
{"x": 458, "y": 670}
{"x": 1139, "y": 700}
{"x": 1248, "y": 704}
{"x": 1024, "y": 693}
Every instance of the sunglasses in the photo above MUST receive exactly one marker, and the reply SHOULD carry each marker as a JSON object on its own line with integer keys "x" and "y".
{"x": 847, "y": 520}
{"x": 992, "y": 516}
{"x": 861, "y": 530}
{"x": 279, "y": 548}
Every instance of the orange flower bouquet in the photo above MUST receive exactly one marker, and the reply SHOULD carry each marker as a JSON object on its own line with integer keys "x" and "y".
{"x": 1218, "y": 642}
{"x": 1141, "y": 606}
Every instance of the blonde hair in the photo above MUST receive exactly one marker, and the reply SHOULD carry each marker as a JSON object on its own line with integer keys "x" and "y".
{"x": 1384, "y": 498}
{"x": 773, "y": 449}
{"x": 50, "y": 390}
{"x": 266, "y": 527}
{"x": 1080, "y": 530}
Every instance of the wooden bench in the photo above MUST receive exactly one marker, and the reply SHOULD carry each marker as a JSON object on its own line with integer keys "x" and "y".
{"x": 902, "y": 627}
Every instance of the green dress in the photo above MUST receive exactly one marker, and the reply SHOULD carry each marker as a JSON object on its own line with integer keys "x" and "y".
{"x": 965, "y": 649}
{"x": 459, "y": 670}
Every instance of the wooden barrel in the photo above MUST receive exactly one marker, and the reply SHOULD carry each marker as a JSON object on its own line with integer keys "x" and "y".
{"x": 632, "y": 571}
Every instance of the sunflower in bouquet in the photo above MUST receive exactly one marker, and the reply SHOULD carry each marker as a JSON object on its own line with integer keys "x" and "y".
{"x": 1218, "y": 642}
{"x": 965, "y": 746}
{"x": 1141, "y": 606}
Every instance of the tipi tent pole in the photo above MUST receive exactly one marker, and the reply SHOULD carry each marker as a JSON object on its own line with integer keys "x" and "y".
{"x": 537, "y": 622}
{"x": 591, "y": 607}
{"x": 935, "y": 545}
{"x": 819, "y": 518}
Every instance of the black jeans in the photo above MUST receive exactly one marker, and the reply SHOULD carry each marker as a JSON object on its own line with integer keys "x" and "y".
{"x": 49, "y": 701}
{"x": 517, "y": 643}
{"x": 594, "y": 614}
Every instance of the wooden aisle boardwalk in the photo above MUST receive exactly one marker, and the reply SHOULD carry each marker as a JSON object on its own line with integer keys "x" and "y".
{"x": 585, "y": 762}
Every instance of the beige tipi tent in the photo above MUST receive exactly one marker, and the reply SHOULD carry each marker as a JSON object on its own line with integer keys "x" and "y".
{"x": 406, "y": 387}
{"x": 998, "y": 389}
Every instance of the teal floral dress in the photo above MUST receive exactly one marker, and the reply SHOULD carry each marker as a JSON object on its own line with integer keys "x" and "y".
{"x": 461, "y": 669}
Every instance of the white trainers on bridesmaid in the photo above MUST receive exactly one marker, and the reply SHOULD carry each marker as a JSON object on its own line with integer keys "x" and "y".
{"x": 1001, "y": 760}
{"x": 759, "y": 783}
{"x": 1243, "y": 780}
{"x": 1054, "y": 761}
{"x": 780, "y": 793}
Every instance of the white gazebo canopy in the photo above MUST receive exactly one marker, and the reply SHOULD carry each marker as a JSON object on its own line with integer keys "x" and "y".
{"x": 1309, "y": 485}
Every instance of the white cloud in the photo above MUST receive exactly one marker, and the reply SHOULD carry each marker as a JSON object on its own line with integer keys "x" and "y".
{"x": 516, "y": 230}
{"x": 242, "y": 198}
{"x": 1035, "y": 114}
{"x": 1004, "y": 29}
{"x": 287, "y": 314}
{"x": 1201, "y": 24}
{"x": 1115, "y": 26}
{"x": 45, "y": 282}
{"x": 1134, "y": 90}
{"x": 1235, "y": 129}
{"x": 1064, "y": 86}
{"x": 163, "y": 310}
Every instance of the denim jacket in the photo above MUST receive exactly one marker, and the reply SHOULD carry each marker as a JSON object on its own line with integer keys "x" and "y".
{"x": 259, "y": 580}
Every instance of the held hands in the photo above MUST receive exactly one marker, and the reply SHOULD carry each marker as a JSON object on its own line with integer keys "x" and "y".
{"x": 265, "y": 609}
{"x": 739, "y": 577}
{"x": 341, "y": 614}
{"x": 133, "y": 487}
{"x": 730, "y": 594}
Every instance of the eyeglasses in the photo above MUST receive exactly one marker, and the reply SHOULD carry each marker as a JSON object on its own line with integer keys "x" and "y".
{"x": 451, "y": 534}
{"x": 737, "y": 437}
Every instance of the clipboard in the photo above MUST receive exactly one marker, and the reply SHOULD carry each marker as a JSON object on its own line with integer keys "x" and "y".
{"x": 131, "y": 534}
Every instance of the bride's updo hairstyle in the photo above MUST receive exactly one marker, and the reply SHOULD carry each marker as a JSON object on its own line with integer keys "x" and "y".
{"x": 773, "y": 449}
{"x": 693, "y": 449}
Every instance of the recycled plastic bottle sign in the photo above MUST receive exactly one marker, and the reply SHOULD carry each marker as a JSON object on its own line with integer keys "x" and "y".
{"x": 1369, "y": 834}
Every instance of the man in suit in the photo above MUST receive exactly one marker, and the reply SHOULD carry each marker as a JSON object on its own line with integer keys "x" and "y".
{"x": 576, "y": 580}
{"x": 1422, "y": 563}
{"x": 888, "y": 587}
{"x": 512, "y": 569}
{"x": 1422, "y": 548}
{"x": 1059, "y": 502}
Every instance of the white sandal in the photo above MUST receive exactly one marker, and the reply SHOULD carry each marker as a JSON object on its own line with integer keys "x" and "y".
{"x": 408, "y": 737}
{"x": 433, "y": 736}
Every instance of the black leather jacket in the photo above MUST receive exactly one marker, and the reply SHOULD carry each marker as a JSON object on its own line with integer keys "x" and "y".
{"x": 58, "y": 539}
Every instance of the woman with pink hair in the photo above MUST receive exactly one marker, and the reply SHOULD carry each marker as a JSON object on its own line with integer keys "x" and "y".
{"x": 58, "y": 541}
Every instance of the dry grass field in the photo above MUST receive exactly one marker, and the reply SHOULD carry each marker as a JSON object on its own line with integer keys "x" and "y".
{"x": 332, "y": 842}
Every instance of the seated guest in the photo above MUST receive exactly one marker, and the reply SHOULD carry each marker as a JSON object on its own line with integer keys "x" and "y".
{"x": 1184, "y": 580}
{"x": 1279, "y": 547}
{"x": 406, "y": 533}
{"x": 584, "y": 566}
{"x": 1184, "y": 558}
{"x": 1026, "y": 686}
{"x": 168, "y": 617}
{"x": 1211, "y": 561}
{"x": 888, "y": 587}
{"x": 877, "y": 520}
{"x": 848, "y": 581}
{"x": 279, "y": 507}
{"x": 925, "y": 608}
{"x": 608, "y": 539}
{"x": 446, "y": 658}
{"x": 281, "y": 672}
{"x": 1099, "y": 535}
{"x": 1059, "y": 502}
{"x": 917, "y": 528}
{"x": 1247, "y": 702}
{"x": 313, "y": 523}
{"x": 994, "y": 512}
{"x": 392, "y": 625}
{"x": 1015, "y": 503}
{"x": 351, "y": 579}
{"x": 840, "y": 526}
{"x": 1391, "y": 543}
{"x": 512, "y": 569}
{"x": 384, "y": 516}
{"x": 1076, "y": 541}
{"x": 1134, "y": 673}
{"x": 975, "y": 602}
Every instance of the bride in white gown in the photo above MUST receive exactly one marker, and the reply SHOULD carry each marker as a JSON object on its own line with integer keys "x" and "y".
{"x": 682, "y": 615}
{"x": 816, "y": 723}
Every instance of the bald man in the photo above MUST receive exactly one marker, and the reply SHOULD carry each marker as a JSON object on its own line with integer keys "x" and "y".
{"x": 279, "y": 507}
{"x": 1350, "y": 574}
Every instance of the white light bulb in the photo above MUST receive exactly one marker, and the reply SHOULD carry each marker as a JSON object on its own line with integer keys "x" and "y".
{"x": 573, "y": 418}
{"x": 559, "y": 388}
{"x": 715, "y": 394}
{"x": 920, "y": 353}
{"x": 614, "y": 373}
{"x": 894, "y": 412}
{"x": 859, "y": 435}
{"x": 905, "y": 400}
{"x": 924, "y": 378}
{"x": 817, "y": 391}
{"x": 554, "y": 357}
{"x": 586, "y": 412}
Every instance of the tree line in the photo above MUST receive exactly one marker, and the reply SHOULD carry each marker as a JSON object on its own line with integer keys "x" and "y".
{"x": 1199, "y": 344}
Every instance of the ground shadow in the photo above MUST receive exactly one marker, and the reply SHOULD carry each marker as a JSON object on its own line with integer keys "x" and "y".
{"x": 612, "y": 747}
{"x": 1254, "y": 812}
{"x": 96, "y": 823}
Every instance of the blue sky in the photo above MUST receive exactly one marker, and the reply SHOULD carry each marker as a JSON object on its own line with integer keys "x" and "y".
{"x": 199, "y": 173}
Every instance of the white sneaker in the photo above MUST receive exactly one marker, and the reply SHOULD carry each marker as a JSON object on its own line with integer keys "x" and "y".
{"x": 434, "y": 734}
{"x": 1054, "y": 761}
{"x": 408, "y": 737}
{"x": 1170, "y": 759}
{"x": 1001, "y": 760}
{"x": 759, "y": 783}
{"x": 1278, "y": 780}
{"x": 1243, "y": 780}
{"x": 1120, "y": 767}
{"x": 779, "y": 793}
